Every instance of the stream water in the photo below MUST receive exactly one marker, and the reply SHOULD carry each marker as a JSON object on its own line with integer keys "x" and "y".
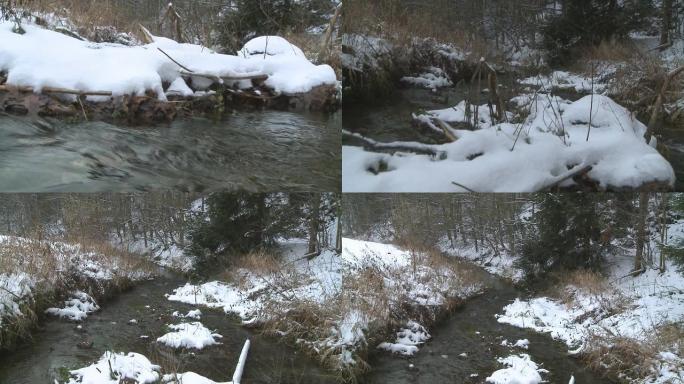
{"x": 254, "y": 151}
{"x": 473, "y": 330}
{"x": 391, "y": 120}
{"x": 55, "y": 346}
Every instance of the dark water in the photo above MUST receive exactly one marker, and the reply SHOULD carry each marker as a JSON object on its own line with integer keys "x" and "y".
{"x": 55, "y": 345}
{"x": 254, "y": 151}
{"x": 438, "y": 360}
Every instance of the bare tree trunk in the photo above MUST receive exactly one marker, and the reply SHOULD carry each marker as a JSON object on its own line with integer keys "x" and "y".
{"x": 641, "y": 231}
{"x": 667, "y": 24}
{"x": 314, "y": 224}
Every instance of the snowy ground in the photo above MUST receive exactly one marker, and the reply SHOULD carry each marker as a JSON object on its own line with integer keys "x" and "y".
{"x": 501, "y": 264}
{"x": 43, "y": 58}
{"x": 544, "y": 150}
{"x": 350, "y": 297}
{"x": 165, "y": 255}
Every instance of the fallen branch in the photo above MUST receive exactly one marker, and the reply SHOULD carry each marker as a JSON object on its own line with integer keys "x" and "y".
{"x": 260, "y": 77}
{"x": 463, "y": 186}
{"x": 392, "y": 147}
{"x": 570, "y": 174}
{"x": 446, "y": 128}
{"x": 9, "y": 88}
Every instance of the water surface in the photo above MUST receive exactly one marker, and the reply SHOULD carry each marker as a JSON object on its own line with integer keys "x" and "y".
{"x": 256, "y": 151}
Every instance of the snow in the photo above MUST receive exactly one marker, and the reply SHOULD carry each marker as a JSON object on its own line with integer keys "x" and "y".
{"x": 523, "y": 343}
{"x": 501, "y": 264}
{"x": 407, "y": 339}
{"x": 166, "y": 255}
{"x": 76, "y": 308}
{"x": 189, "y": 378}
{"x": 563, "y": 80}
{"x": 113, "y": 368}
{"x": 550, "y": 142}
{"x": 14, "y": 289}
{"x": 433, "y": 78}
{"x": 43, "y": 58}
{"x": 193, "y": 314}
{"x": 179, "y": 88}
{"x": 189, "y": 335}
{"x": 520, "y": 370}
{"x": 271, "y": 46}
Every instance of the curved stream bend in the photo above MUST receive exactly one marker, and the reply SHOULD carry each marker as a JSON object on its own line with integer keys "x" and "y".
{"x": 474, "y": 330}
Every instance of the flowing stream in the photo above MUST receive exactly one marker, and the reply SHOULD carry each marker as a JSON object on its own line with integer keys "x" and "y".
{"x": 254, "y": 151}
{"x": 55, "y": 347}
{"x": 474, "y": 330}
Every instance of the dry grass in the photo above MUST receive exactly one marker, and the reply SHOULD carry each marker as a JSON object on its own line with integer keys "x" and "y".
{"x": 585, "y": 280}
{"x": 392, "y": 19}
{"x": 620, "y": 358}
{"x": 89, "y": 14}
{"x": 612, "y": 51}
{"x": 624, "y": 359}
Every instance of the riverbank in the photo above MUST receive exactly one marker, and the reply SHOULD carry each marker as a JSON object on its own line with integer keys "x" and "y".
{"x": 508, "y": 131}
{"x": 126, "y": 330}
{"x": 155, "y": 82}
{"x": 66, "y": 280}
{"x": 339, "y": 307}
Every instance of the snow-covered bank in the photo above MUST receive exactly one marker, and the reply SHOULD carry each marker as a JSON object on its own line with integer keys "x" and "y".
{"x": 497, "y": 263}
{"x": 548, "y": 149}
{"x": 42, "y": 58}
{"x": 627, "y": 311}
{"x": 338, "y": 306}
{"x": 35, "y": 274}
{"x": 171, "y": 255}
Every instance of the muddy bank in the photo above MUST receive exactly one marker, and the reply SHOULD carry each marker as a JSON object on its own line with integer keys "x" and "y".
{"x": 145, "y": 110}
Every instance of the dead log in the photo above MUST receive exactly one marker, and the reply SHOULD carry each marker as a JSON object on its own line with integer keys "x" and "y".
{"x": 9, "y": 88}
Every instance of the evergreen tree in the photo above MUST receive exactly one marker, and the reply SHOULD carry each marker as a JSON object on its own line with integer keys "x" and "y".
{"x": 567, "y": 234}
{"x": 585, "y": 23}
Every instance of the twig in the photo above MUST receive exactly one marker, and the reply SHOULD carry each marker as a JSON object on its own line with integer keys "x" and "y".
{"x": 463, "y": 186}
{"x": 177, "y": 63}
